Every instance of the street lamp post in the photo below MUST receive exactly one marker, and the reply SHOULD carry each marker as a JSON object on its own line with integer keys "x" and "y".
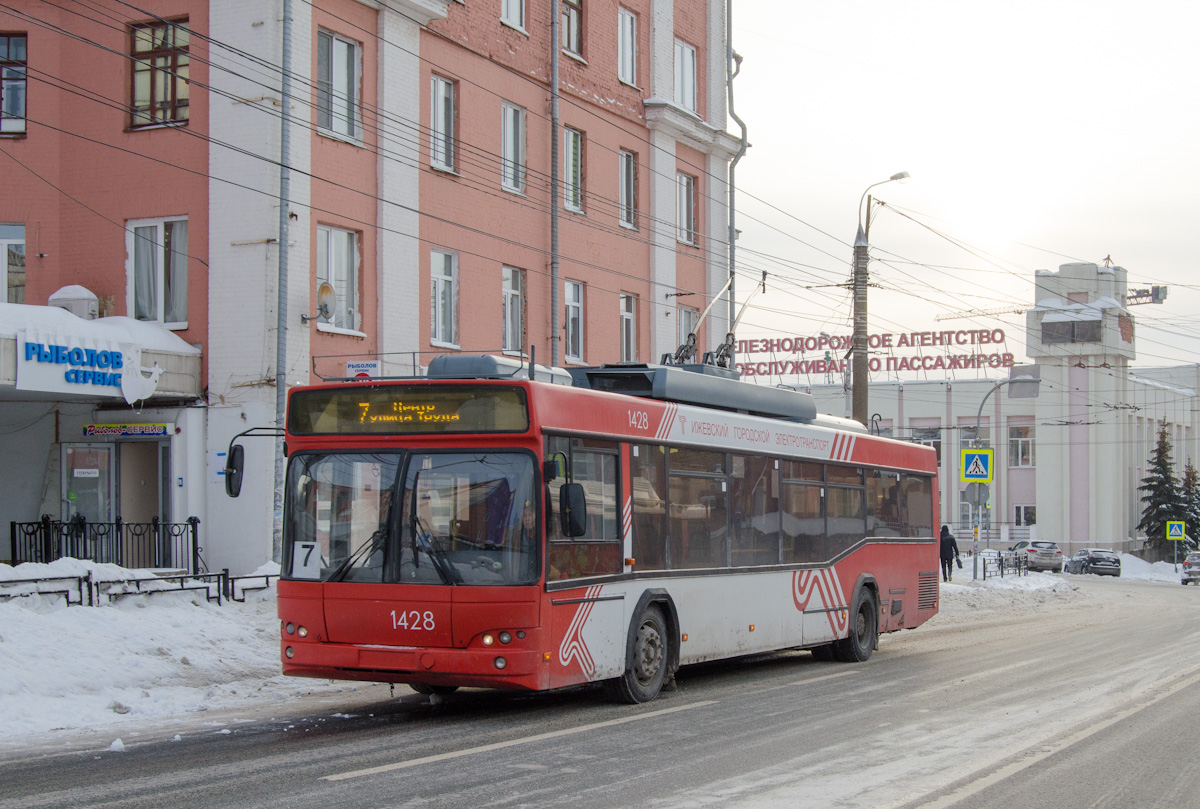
{"x": 859, "y": 366}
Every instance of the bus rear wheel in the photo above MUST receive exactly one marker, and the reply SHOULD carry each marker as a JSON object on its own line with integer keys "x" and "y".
{"x": 440, "y": 690}
{"x": 864, "y": 629}
{"x": 644, "y": 677}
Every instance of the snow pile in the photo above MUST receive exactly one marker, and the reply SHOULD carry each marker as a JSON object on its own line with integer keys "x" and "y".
{"x": 142, "y": 657}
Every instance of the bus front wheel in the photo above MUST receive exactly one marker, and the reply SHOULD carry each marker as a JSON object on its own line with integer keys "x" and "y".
{"x": 864, "y": 629}
{"x": 647, "y": 670}
{"x": 440, "y": 690}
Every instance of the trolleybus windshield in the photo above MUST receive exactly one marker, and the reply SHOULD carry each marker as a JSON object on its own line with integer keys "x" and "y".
{"x": 455, "y": 518}
{"x": 408, "y": 409}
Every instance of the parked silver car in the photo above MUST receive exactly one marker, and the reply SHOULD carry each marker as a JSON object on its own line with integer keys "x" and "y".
{"x": 1040, "y": 555}
{"x": 1191, "y": 569}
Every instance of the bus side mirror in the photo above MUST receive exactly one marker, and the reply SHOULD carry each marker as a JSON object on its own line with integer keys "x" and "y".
{"x": 572, "y": 510}
{"x": 233, "y": 470}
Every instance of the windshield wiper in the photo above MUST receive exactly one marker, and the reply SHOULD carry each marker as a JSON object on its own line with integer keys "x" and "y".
{"x": 377, "y": 541}
{"x": 422, "y": 540}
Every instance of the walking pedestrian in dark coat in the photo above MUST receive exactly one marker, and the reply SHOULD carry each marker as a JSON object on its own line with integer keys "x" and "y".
{"x": 949, "y": 553}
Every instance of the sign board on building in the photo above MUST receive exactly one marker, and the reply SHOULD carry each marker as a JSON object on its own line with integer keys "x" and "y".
{"x": 58, "y": 362}
{"x": 125, "y": 430}
{"x": 362, "y": 369}
{"x": 1175, "y": 530}
{"x": 976, "y": 465}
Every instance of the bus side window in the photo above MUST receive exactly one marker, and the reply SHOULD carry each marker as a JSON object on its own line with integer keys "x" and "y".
{"x": 649, "y": 476}
{"x": 599, "y": 552}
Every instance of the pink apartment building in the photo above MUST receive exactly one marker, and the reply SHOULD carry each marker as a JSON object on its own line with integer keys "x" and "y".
{"x": 141, "y": 172}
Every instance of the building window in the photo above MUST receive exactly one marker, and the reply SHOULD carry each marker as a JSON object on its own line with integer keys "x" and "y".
{"x": 573, "y": 169}
{"x": 1071, "y": 331}
{"x": 930, "y": 437}
{"x": 443, "y": 293}
{"x": 572, "y": 26}
{"x": 12, "y": 83}
{"x": 1020, "y": 446}
{"x": 627, "y": 46}
{"x": 685, "y": 208}
{"x": 627, "y": 193}
{"x": 12, "y": 261}
{"x": 157, "y": 269}
{"x": 337, "y": 265}
{"x": 512, "y": 336}
{"x": 512, "y": 12}
{"x": 160, "y": 73}
{"x": 689, "y": 320}
{"x": 1025, "y": 515}
{"x": 628, "y": 328}
{"x": 512, "y": 137}
{"x": 441, "y": 125}
{"x": 338, "y": 75}
{"x": 685, "y": 75}
{"x": 574, "y": 320}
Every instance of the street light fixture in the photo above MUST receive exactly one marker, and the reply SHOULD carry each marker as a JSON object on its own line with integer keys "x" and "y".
{"x": 859, "y": 366}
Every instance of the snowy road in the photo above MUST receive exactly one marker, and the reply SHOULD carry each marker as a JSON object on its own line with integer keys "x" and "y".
{"x": 1000, "y": 701}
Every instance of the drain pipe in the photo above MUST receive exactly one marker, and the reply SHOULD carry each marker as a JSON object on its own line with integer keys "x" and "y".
{"x": 555, "y": 51}
{"x": 281, "y": 313}
{"x": 733, "y": 67}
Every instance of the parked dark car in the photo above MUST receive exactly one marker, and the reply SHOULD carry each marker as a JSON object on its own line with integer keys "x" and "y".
{"x": 1191, "y": 568}
{"x": 1095, "y": 560}
{"x": 1040, "y": 555}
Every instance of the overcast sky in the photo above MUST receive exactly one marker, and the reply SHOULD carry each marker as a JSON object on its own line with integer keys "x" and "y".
{"x": 1036, "y": 133}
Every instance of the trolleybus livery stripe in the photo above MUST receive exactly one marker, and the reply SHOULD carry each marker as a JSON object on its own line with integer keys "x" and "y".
{"x": 573, "y": 644}
{"x": 826, "y": 585}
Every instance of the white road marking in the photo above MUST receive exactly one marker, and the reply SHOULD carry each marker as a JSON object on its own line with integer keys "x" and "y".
{"x": 470, "y": 751}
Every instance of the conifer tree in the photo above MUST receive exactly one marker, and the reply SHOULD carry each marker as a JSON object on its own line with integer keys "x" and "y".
{"x": 1162, "y": 496}
{"x": 1191, "y": 501}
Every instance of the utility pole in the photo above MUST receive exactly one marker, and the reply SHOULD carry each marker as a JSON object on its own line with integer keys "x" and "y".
{"x": 859, "y": 362}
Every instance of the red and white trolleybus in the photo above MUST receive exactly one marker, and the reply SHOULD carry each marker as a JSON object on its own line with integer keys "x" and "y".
{"x": 476, "y": 527}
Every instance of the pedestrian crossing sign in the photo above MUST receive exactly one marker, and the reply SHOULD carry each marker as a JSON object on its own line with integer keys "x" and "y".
{"x": 1174, "y": 530}
{"x": 976, "y": 465}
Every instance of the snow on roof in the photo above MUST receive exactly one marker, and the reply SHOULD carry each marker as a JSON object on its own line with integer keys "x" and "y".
{"x": 1059, "y": 311}
{"x": 17, "y": 317}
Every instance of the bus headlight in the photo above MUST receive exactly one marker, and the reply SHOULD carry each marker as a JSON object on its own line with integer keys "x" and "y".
{"x": 289, "y": 653}
{"x": 488, "y": 640}
{"x": 501, "y": 663}
{"x": 302, "y": 632}
{"x": 505, "y": 637}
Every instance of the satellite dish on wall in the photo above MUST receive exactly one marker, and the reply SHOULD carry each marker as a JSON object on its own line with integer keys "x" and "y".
{"x": 326, "y": 299}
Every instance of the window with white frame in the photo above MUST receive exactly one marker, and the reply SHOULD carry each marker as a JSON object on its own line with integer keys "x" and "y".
{"x": 160, "y": 61}
{"x": 572, "y": 26}
{"x": 1021, "y": 446}
{"x": 689, "y": 320}
{"x": 157, "y": 269}
{"x": 574, "y": 320}
{"x": 628, "y": 327}
{"x": 512, "y": 337}
{"x": 930, "y": 437}
{"x": 512, "y": 12}
{"x": 441, "y": 124}
{"x": 685, "y": 75}
{"x": 685, "y": 208}
{"x": 338, "y": 78}
{"x": 512, "y": 146}
{"x": 12, "y": 261}
{"x": 337, "y": 265}
{"x": 627, "y": 191}
{"x": 1025, "y": 515}
{"x": 627, "y": 46}
{"x": 13, "y": 63}
{"x": 443, "y": 294}
{"x": 573, "y": 169}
